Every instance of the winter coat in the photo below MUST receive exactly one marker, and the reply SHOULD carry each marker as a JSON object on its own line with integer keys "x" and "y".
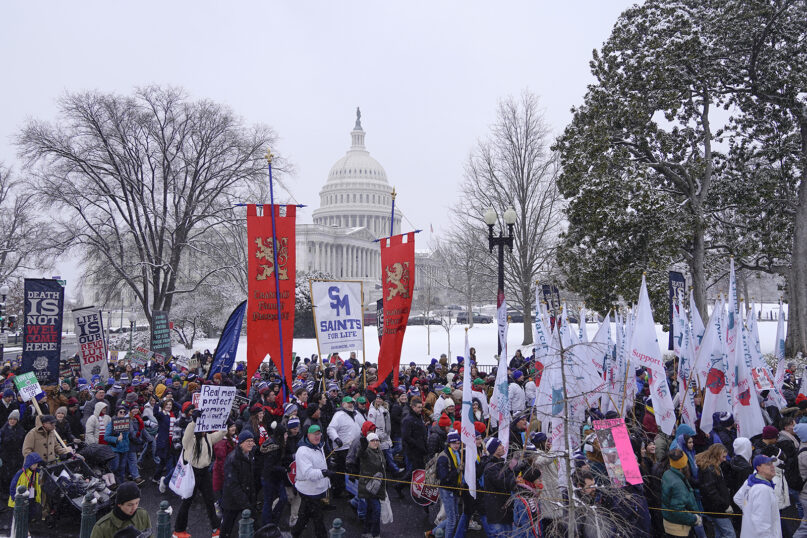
{"x": 76, "y": 427}
{"x": 11, "y": 439}
{"x": 437, "y": 439}
{"x": 273, "y": 453}
{"x": 441, "y": 404}
{"x": 110, "y": 524}
{"x": 518, "y": 400}
{"x": 500, "y": 478}
{"x": 448, "y": 470}
{"x": 740, "y": 465}
{"x": 526, "y": 513}
{"x": 163, "y": 432}
{"x": 679, "y": 497}
{"x": 5, "y": 410}
{"x": 238, "y": 492}
{"x": 371, "y": 462}
{"x": 28, "y": 478}
{"x": 396, "y": 417}
{"x": 221, "y": 450}
{"x": 757, "y": 500}
{"x": 96, "y": 423}
{"x": 414, "y": 435}
{"x": 383, "y": 425}
{"x": 345, "y": 426}
{"x": 121, "y": 446}
{"x": 310, "y": 464}
{"x": 715, "y": 494}
{"x": 43, "y": 443}
{"x": 551, "y": 508}
{"x": 200, "y": 459}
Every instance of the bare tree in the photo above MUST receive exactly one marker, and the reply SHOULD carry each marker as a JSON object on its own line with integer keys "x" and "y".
{"x": 22, "y": 234}
{"x": 138, "y": 184}
{"x": 515, "y": 167}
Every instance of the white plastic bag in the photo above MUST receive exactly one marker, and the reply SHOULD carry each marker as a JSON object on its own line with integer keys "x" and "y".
{"x": 386, "y": 511}
{"x": 183, "y": 481}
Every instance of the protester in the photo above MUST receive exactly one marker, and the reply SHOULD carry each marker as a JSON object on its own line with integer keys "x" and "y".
{"x": 238, "y": 493}
{"x": 758, "y": 501}
{"x": 678, "y": 497}
{"x": 714, "y": 489}
{"x": 125, "y": 513}
{"x": 313, "y": 481}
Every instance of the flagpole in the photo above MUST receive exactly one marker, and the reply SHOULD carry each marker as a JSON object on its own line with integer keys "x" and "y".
{"x": 392, "y": 218}
{"x": 363, "y": 351}
{"x": 316, "y": 332}
{"x": 277, "y": 275}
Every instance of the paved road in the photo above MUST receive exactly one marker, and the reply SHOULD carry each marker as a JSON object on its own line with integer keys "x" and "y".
{"x": 409, "y": 520}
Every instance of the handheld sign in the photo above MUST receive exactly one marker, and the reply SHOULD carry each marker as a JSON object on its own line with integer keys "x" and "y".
{"x": 215, "y": 404}
{"x": 292, "y": 474}
{"x": 120, "y": 425}
{"x": 28, "y": 385}
{"x": 422, "y": 494}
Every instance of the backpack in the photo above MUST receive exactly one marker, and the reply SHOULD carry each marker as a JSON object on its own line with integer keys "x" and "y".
{"x": 792, "y": 472}
{"x": 431, "y": 470}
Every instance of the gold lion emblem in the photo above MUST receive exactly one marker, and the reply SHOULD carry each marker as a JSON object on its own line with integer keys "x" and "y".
{"x": 398, "y": 279}
{"x": 264, "y": 253}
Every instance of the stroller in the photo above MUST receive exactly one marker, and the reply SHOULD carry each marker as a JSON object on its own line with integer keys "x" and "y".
{"x": 65, "y": 484}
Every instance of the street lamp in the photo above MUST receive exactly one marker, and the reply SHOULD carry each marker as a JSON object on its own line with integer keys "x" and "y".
{"x": 132, "y": 317}
{"x": 3, "y": 293}
{"x": 501, "y": 241}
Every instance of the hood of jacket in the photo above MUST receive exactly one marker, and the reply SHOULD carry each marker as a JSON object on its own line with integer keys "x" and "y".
{"x": 754, "y": 480}
{"x": 99, "y": 406}
{"x": 305, "y": 442}
{"x": 31, "y": 459}
{"x": 742, "y": 447}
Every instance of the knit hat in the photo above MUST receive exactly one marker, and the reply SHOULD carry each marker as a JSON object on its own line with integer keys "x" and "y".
{"x": 444, "y": 421}
{"x": 62, "y": 410}
{"x": 294, "y": 422}
{"x": 479, "y": 427}
{"x": 537, "y": 437}
{"x": 458, "y": 425}
{"x": 680, "y": 463}
{"x": 453, "y": 437}
{"x": 8, "y": 393}
{"x": 128, "y": 491}
{"x": 15, "y": 414}
{"x": 493, "y": 444}
{"x": 770, "y": 432}
{"x": 367, "y": 427}
{"x": 186, "y": 406}
{"x": 289, "y": 408}
{"x": 517, "y": 375}
{"x": 332, "y": 386}
{"x": 47, "y": 418}
{"x": 245, "y": 435}
{"x": 72, "y": 401}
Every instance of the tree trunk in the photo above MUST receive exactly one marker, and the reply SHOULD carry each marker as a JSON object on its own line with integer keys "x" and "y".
{"x": 797, "y": 287}
{"x": 697, "y": 270}
{"x": 525, "y": 308}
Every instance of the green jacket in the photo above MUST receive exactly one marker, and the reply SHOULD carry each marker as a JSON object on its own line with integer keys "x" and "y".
{"x": 676, "y": 494}
{"x": 107, "y": 526}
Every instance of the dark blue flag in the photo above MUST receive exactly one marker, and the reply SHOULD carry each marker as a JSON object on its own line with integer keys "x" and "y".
{"x": 42, "y": 340}
{"x": 224, "y": 357}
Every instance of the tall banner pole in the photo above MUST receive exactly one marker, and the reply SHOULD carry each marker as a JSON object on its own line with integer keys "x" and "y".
{"x": 316, "y": 333}
{"x": 392, "y": 217}
{"x": 277, "y": 276}
{"x": 363, "y": 351}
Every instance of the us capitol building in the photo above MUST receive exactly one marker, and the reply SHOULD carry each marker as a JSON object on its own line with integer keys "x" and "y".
{"x": 355, "y": 208}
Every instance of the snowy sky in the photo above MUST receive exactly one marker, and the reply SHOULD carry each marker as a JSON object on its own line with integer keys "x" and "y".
{"x": 427, "y": 75}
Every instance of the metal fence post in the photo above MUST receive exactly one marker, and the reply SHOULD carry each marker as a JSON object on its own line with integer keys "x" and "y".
{"x": 336, "y": 531}
{"x": 88, "y": 510}
{"x": 20, "y": 523}
{"x": 163, "y": 521}
{"x": 245, "y": 528}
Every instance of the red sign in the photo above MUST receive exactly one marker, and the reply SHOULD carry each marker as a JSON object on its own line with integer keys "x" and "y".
{"x": 422, "y": 494}
{"x": 398, "y": 277}
{"x": 292, "y": 474}
{"x": 263, "y": 319}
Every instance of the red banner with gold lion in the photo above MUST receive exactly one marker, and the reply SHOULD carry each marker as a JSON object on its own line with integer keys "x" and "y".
{"x": 263, "y": 322}
{"x": 398, "y": 277}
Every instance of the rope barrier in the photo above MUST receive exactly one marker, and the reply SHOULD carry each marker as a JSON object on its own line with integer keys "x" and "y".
{"x": 718, "y": 514}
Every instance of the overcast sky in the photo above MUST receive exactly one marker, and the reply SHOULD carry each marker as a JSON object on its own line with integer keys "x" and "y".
{"x": 427, "y": 75}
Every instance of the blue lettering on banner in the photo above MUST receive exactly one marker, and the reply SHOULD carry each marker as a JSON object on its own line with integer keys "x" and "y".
{"x": 339, "y": 302}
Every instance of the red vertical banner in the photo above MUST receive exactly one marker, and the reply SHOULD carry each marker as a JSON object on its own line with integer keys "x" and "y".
{"x": 398, "y": 278}
{"x": 263, "y": 321}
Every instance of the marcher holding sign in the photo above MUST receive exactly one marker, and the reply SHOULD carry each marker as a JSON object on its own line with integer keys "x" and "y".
{"x": 617, "y": 453}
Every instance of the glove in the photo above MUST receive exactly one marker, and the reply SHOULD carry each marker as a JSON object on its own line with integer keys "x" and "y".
{"x": 698, "y": 521}
{"x": 338, "y": 442}
{"x": 327, "y": 473}
{"x": 196, "y": 414}
{"x": 363, "y": 442}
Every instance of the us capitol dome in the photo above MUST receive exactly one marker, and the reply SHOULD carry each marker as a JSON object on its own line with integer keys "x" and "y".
{"x": 355, "y": 206}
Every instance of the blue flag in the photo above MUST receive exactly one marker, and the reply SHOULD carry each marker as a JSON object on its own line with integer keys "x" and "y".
{"x": 42, "y": 340}
{"x": 224, "y": 357}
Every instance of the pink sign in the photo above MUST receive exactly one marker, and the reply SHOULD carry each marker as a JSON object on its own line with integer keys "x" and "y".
{"x": 617, "y": 453}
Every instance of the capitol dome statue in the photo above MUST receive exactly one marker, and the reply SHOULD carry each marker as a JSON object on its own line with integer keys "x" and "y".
{"x": 355, "y": 207}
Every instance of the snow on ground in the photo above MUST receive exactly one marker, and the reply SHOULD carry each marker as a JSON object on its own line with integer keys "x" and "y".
{"x": 482, "y": 337}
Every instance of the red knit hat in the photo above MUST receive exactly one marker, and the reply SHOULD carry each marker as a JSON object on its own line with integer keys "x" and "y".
{"x": 458, "y": 425}
{"x": 367, "y": 427}
{"x": 444, "y": 421}
{"x": 479, "y": 426}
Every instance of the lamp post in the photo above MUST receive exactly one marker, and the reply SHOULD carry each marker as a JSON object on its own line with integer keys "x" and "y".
{"x": 3, "y": 294}
{"x": 132, "y": 317}
{"x": 501, "y": 241}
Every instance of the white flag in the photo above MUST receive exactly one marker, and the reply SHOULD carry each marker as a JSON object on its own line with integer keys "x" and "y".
{"x": 500, "y": 402}
{"x": 733, "y": 318}
{"x": 644, "y": 351}
{"x": 779, "y": 351}
{"x": 685, "y": 360}
{"x": 698, "y": 329}
{"x": 467, "y": 429}
{"x": 745, "y": 404}
{"x": 582, "y": 324}
{"x": 501, "y": 317}
{"x": 712, "y": 361}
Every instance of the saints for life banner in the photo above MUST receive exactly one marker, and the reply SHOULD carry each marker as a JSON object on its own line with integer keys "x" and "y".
{"x": 338, "y": 315}
{"x": 91, "y": 343}
{"x": 398, "y": 279}
{"x": 617, "y": 453}
{"x": 160, "y": 333}
{"x": 42, "y": 341}
{"x": 215, "y": 403}
{"x": 263, "y": 319}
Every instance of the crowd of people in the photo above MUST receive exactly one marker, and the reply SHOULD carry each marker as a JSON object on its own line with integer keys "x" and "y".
{"x": 292, "y": 447}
